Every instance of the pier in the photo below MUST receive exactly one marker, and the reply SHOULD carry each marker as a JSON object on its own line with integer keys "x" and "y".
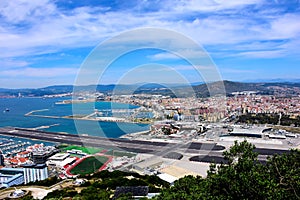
{"x": 89, "y": 117}
{"x": 34, "y": 111}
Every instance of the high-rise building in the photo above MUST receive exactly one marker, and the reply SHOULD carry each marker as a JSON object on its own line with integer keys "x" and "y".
{"x": 35, "y": 172}
{"x": 40, "y": 155}
{"x": 1, "y": 159}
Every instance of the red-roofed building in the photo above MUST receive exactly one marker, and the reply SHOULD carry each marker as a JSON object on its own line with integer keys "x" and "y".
{"x": 17, "y": 161}
{"x": 23, "y": 154}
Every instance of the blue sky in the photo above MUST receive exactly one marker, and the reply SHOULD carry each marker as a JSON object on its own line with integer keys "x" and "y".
{"x": 44, "y": 42}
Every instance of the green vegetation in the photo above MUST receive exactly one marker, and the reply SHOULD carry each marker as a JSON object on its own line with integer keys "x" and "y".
{"x": 288, "y": 128}
{"x": 89, "y": 165}
{"x": 59, "y": 194}
{"x": 47, "y": 182}
{"x": 101, "y": 186}
{"x": 89, "y": 193}
{"x": 263, "y": 118}
{"x": 110, "y": 180}
{"x": 88, "y": 150}
{"x": 28, "y": 196}
{"x": 243, "y": 178}
{"x": 76, "y": 155}
{"x": 120, "y": 153}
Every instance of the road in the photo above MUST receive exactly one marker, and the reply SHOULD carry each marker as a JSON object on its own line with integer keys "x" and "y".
{"x": 37, "y": 192}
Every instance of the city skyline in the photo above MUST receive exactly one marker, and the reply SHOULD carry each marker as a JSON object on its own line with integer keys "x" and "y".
{"x": 45, "y": 42}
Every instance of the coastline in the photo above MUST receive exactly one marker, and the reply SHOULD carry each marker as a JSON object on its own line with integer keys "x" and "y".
{"x": 133, "y": 135}
{"x": 99, "y": 119}
{"x": 42, "y": 114}
{"x": 93, "y": 116}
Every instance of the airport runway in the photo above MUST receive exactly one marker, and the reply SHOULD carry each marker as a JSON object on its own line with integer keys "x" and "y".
{"x": 93, "y": 141}
{"x": 138, "y": 146}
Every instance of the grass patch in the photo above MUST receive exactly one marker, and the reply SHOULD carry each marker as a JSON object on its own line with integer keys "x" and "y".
{"x": 88, "y": 150}
{"x": 89, "y": 165}
{"x": 120, "y": 153}
{"x": 75, "y": 155}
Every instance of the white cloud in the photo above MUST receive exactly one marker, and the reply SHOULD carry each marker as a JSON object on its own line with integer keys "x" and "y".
{"x": 286, "y": 26}
{"x": 193, "y": 68}
{"x": 22, "y": 10}
{"x": 87, "y": 26}
{"x": 38, "y": 72}
{"x": 212, "y": 5}
{"x": 263, "y": 54}
{"x": 165, "y": 68}
{"x": 153, "y": 73}
{"x": 36, "y": 27}
{"x": 8, "y": 63}
{"x": 185, "y": 53}
{"x": 164, "y": 56}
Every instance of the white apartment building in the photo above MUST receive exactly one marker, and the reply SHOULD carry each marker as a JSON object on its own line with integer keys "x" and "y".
{"x": 35, "y": 172}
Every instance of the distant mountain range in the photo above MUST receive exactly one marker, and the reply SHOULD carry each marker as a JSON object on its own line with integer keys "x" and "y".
{"x": 277, "y": 80}
{"x": 179, "y": 90}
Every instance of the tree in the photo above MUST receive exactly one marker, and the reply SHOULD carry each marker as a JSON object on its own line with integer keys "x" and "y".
{"x": 244, "y": 177}
{"x": 92, "y": 193}
{"x": 27, "y": 197}
{"x": 127, "y": 196}
{"x": 285, "y": 172}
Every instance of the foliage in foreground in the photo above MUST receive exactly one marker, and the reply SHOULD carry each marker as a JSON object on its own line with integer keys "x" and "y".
{"x": 46, "y": 183}
{"x": 102, "y": 184}
{"x": 243, "y": 178}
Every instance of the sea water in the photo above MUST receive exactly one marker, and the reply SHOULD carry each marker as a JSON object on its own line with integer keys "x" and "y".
{"x": 13, "y": 110}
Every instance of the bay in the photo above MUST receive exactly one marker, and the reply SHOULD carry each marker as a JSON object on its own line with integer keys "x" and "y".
{"x": 13, "y": 110}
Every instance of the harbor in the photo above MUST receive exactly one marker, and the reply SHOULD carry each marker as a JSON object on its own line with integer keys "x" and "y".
{"x": 105, "y": 115}
{"x": 10, "y": 147}
{"x": 43, "y": 113}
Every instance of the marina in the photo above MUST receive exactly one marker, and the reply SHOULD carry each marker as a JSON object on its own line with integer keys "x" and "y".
{"x": 10, "y": 146}
{"x": 13, "y": 148}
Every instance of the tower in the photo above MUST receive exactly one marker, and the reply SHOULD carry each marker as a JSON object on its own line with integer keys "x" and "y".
{"x": 1, "y": 159}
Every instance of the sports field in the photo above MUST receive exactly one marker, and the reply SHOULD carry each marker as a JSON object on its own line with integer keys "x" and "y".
{"x": 120, "y": 153}
{"x": 88, "y": 150}
{"x": 89, "y": 165}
